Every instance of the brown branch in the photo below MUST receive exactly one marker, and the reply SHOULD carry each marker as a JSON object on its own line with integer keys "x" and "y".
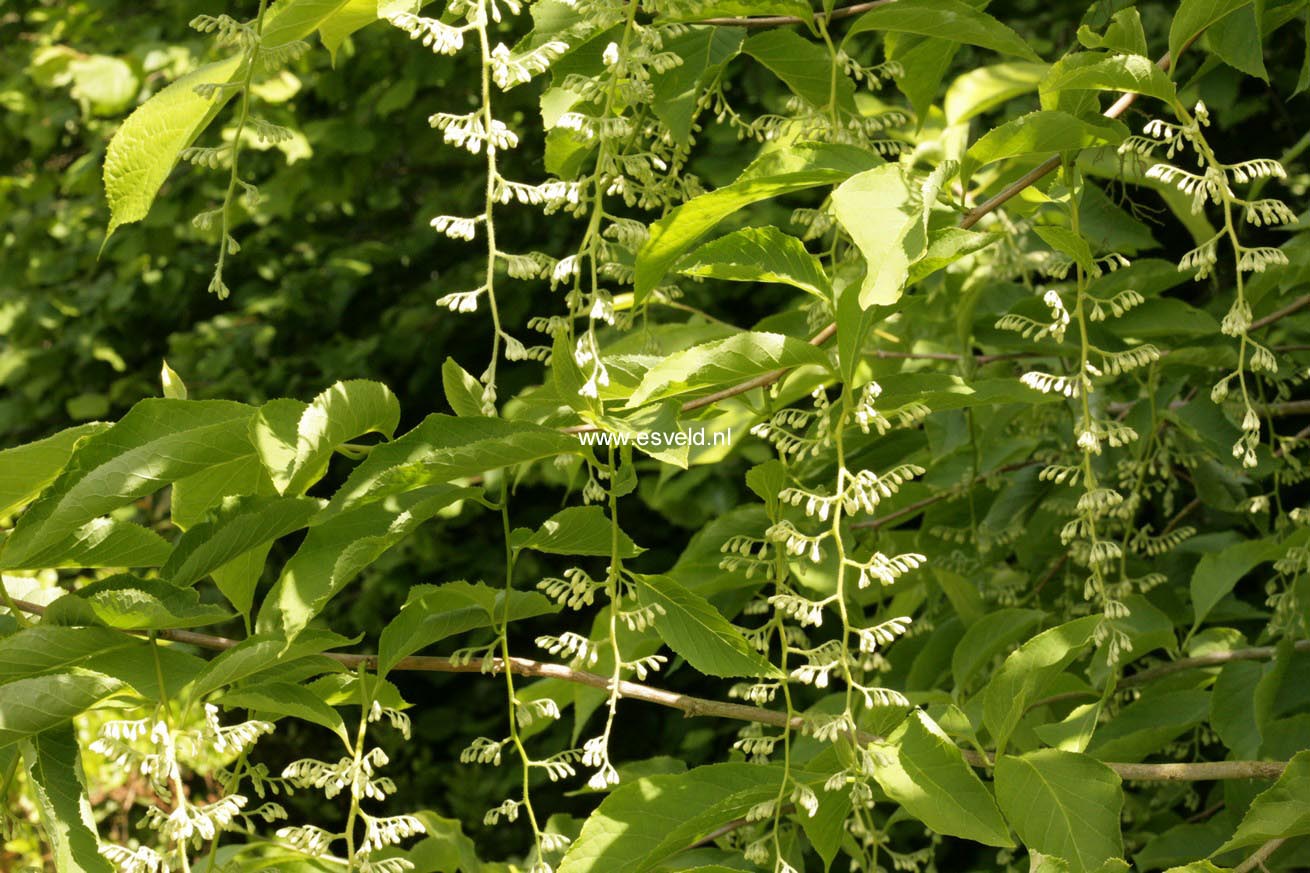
{"x": 701, "y": 706}
{"x": 1294, "y": 306}
{"x": 1214, "y": 659}
{"x": 1206, "y": 813}
{"x": 1290, "y": 407}
{"x": 1050, "y": 574}
{"x": 949, "y": 355}
{"x": 917, "y": 505}
{"x": 1259, "y": 857}
{"x": 1182, "y": 513}
{"x": 728, "y": 827}
{"x": 791, "y": 20}
{"x": 1118, "y": 108}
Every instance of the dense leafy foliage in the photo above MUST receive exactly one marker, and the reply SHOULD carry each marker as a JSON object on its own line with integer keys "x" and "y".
{"x": 910, "y": 391}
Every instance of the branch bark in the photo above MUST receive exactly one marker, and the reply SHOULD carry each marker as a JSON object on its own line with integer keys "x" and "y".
{"x": 883, "y": 520}
{"x": 702, "y": 706}
{"x": 1294, "y": 306}
{"x": 1258, "y": 858}
{"x": 1215, "y": 659}
{"x": 791, "y": 20}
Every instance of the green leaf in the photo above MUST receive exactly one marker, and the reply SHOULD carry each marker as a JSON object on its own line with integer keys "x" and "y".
{"x": 705, "y": 52}
{"x": 48, "y": 647}
{"x": 1124, "y": 34}
{"x": 925, "y": 63}
{"x": 171, "y": 383}
{"x": 853, "y": 320}
{"x": 767, "y": 479}
{"x": 240, "y": 525}
{"x": 1165, "y": 317}
{"x": 1074, "y": 731}
{"x": 274, "y": 433}
{"x": 287, "y": 699}
{"x": 1096, "y": 72}
{"x": 643, "y": 823}
{"x": 884, "y": 216}
{"x": 336, "y": 551}
{"x": 27, "y": 469}
{"x": 1066, "y": 242}
{"x": 444, "y": 448}
{"x": 157, "y": 442}
{"x": 444, "y": 848}
{"x": 434, "y": 612}
{"x": 260, "y": 654}
{"x": 54, "y": 770}
{"x": 127, "y": 602}
{"x": 29, "y": 706}
{"x": 738, "y": 9}
{"x": 290, "y": 20}
{"x": 1145, "y": 726}
{"x": 580, "y": 530}
{"x": 1027, "y": 671}
{"x": 804, "y": 66}
{"x": 1232, "y": 708}
{"x": 194, "y": 497}
{"x": 1280, "y": 811}
{"x": 1063, "y": 804}
{"x": 353, "y": 15}
{"x": 343, "y": 412}
{"x": 1218, "y": 573}
{"x": 724, "y": 362}
{"x": 923, "y": 771}
{"x": 1194, "y": 17}
{"x": 1303, "y": 80}
{"x": 108, "y": 85}
{"x": 1197, "y": 867}
{"x": 463, "y": 391}
{"x": 759, "y": 254}
{"x": 807, "y": 165}
{"x": 984, "y": 88}
{"x": 693, "y": 628}
{"x": 948, "y": 19}
{"x": 945, "y": 247}
{"x": 987, "y": 637}
{"x": 826, "y": 829}
{"x": 142, "y": 670}
{"x": 1040, "y": 133}
{"x": 101, "y": 542}
{"x": 941, "y": 391}
{"x": 963, "y": 596}
{"x": 147, "y": 144}
{"x": 1239, "y": 42}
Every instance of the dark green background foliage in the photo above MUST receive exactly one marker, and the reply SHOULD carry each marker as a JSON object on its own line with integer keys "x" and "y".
{"x": 336, "y": 279}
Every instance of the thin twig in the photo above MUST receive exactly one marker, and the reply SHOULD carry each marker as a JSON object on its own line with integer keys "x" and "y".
{"x": 791, "y": 20}
{"x": 1214, "y": 659}
{"x": 1050, "y": 574}
{"x": 701, "y": 706}
{"x": 728, "y": 827}
{"x": 1294, "y": 306}
{"x": 1289, "y": 407}
{"x": 917, "y": 505}
{"x": 1118, "y": 108}
{"x": 1182, "y": 513}
{"x": 1259, "y": 857}
{"x": 1206, "y": 813}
